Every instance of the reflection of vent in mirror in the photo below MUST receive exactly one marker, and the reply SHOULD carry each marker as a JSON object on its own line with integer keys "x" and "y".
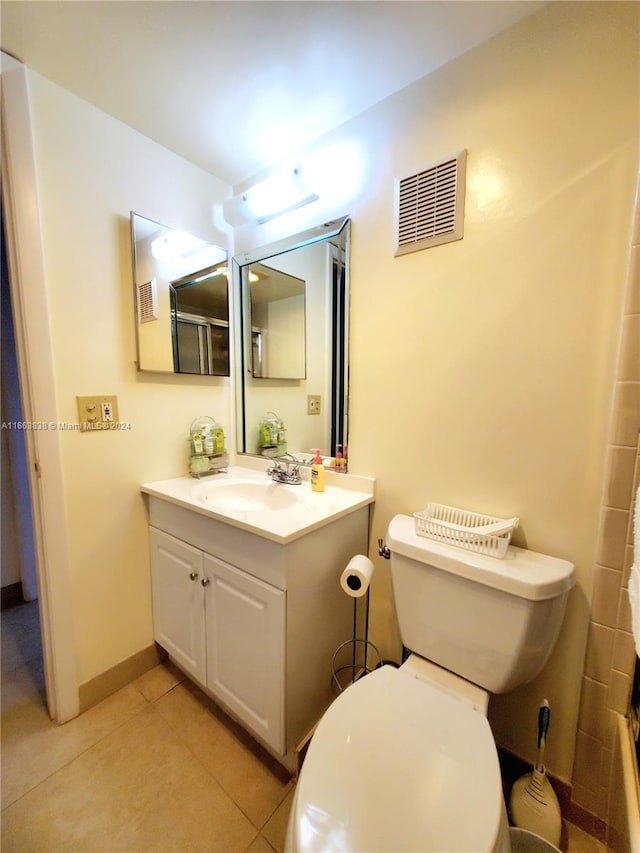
{"x": 430, "y": 205}
{"x": 147, "y": 301}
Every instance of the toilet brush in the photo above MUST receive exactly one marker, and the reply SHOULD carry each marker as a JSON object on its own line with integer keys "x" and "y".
{"x": 533, "y": 804}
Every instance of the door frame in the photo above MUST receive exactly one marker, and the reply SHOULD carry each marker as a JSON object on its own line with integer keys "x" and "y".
{"x": 27, "y": 277}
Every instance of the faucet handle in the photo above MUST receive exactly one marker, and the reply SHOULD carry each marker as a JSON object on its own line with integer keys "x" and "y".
{"x": 285, "y": 471}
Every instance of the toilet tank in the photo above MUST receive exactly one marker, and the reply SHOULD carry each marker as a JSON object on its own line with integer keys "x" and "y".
{"x": 492, "y": 621}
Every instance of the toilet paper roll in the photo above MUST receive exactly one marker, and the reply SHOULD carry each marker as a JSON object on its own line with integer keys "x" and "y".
{"x": 356, "y": 578}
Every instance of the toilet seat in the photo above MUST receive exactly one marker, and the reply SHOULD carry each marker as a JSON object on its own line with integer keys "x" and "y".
{"x": 397, "y": 764}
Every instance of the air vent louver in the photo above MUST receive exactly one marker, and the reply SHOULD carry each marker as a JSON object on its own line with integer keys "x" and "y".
{"x": 430, "y": 205}
{"x": 147, "y": 301}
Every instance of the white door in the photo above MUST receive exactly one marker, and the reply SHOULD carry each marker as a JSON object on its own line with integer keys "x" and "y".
{"x": 178, "y": 601}
{"x": 245, "y": 648}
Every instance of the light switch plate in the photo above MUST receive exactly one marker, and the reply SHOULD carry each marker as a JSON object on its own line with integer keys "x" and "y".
{"x": 97, "y": 412}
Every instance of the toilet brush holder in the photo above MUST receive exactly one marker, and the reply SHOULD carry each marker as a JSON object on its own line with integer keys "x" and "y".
{"x": 533, "y": 804}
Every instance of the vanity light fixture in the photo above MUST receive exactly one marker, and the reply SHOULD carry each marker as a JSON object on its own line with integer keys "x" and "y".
{"x": 282, "y": 192}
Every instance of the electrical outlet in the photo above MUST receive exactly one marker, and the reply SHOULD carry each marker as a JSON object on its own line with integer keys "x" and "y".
{"x": 97, "y": 412}
{"x": 313, "y": 404}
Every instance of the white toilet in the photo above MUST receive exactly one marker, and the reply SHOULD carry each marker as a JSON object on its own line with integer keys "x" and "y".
{"x": 404, "y": 759}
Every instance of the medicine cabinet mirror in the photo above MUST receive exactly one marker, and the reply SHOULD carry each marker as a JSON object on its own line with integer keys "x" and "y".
{"x": 182, "y": 301}
{"x": 292, "y": 341}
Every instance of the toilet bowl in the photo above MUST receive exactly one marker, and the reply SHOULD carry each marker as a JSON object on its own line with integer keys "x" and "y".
{"x": 404, "y": 759}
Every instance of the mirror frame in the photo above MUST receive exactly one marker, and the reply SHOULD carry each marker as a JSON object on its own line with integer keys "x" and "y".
{"x": 339, "y": 344}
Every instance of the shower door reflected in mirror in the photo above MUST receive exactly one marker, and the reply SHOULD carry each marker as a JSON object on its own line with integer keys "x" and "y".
{"x": 318, "y": 260}
{"x": 182, "y": 301}
{"x": 200, "y": 322}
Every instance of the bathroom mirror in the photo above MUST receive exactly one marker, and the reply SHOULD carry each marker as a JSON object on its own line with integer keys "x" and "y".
{"x": 312, "y": 403}
{"x": 182, "y": 301}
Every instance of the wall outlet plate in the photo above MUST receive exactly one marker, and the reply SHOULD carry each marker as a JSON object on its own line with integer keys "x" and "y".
{"x": 313, "y": 404}
{"x": 97, "y": 412}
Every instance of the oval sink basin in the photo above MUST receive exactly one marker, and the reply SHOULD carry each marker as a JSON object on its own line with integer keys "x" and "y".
{"x": 245, "y": 497}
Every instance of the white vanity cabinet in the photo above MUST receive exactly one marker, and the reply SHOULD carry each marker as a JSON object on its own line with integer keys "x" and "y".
{"x": 224, "y": 628}
{"x": 254, "y": 621}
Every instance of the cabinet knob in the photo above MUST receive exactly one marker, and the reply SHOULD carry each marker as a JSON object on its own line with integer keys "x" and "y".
{"x": 205, "y": 581}
{"x": 193, "y": 575}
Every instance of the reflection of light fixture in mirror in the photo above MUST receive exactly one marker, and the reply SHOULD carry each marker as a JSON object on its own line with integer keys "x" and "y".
{"x": 179, "y": 250}
{"x": 175, "y": 244}
{"x": 253, "y": 277}
{"x": 282, "y": 192}
{"x": 224, "y": 271}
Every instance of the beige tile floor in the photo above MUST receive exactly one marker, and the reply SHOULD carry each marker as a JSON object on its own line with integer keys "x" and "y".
{"x": 152, "y": 768}
{"x": 155, "y": 767}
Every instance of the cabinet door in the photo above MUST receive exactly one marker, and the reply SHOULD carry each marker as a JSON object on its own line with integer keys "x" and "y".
{"x": 178, "y": 602}
{"x": 245, "y": 648}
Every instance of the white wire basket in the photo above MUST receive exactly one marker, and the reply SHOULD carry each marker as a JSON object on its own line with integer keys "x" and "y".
{"x": 484, "y": 534}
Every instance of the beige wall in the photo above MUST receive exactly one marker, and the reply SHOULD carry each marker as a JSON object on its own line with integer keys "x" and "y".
{"x": 481, "y": 371}
{"x": 506, "y": 340}
{"x": 92, "y": 171}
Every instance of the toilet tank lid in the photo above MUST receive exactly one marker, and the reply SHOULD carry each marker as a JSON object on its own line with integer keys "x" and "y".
{"x": 521, "y": 572}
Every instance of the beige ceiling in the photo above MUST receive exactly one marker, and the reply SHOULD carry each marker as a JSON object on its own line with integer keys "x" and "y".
{"x": 237, "y": 85}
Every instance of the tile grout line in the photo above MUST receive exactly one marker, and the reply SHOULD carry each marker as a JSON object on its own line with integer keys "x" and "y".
{"x": 213, "y": 776}
{"x": 66, "y": 764}
{"x": 218, "y": 781}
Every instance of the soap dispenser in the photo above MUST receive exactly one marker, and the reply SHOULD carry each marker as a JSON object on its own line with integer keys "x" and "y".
{"x": 317, "y": 471}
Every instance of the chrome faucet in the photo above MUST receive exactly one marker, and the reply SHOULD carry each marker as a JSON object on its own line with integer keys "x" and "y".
{"x": 285, "y": 471}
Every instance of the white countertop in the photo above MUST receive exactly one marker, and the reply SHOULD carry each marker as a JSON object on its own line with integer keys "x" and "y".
{"x": 305, "y": 509}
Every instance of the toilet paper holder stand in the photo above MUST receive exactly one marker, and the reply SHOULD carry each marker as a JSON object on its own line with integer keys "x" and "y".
{"x": 360, "y": 664}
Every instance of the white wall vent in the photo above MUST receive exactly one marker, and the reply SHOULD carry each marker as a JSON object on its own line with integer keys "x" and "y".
{"x": 147, "y": 301}
{"x": 430, "y": 205}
